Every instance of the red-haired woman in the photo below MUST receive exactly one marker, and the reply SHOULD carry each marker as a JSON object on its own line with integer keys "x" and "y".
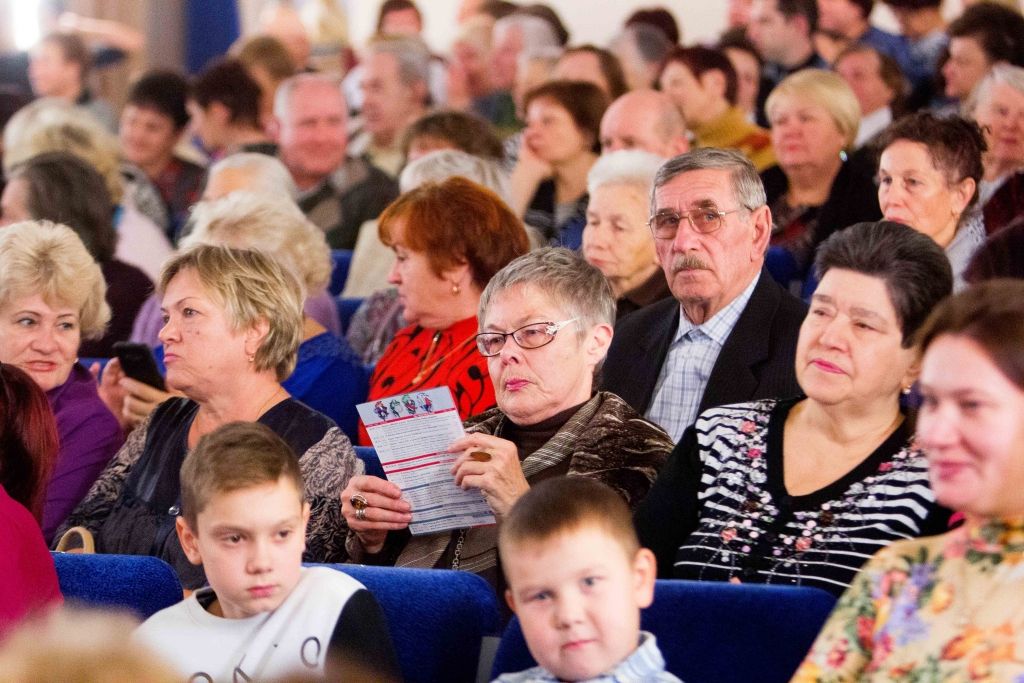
{"x": 449, "y": 238}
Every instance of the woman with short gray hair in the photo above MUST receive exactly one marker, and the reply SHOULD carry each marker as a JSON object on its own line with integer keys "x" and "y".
{"x": 616, "y": 238}
{"x": 997, "y": 105}
{"x": 543, "y": 341}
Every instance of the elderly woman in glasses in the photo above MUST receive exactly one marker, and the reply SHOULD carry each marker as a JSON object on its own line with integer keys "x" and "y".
{"x": 543, "y": 342}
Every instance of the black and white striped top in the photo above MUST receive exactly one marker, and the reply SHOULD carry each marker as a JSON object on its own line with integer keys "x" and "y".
{"x": 720, "y": 510}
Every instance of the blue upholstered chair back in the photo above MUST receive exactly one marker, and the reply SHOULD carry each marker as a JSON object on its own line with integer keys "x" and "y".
{"x": 436, "y": 617}
{"x": 145, "y": 585}
{"x": 716, "y": 632}
{"x": 341, "y": 259}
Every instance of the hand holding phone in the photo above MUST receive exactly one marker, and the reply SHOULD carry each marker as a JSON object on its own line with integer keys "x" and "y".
{"x": 138, "y": 363}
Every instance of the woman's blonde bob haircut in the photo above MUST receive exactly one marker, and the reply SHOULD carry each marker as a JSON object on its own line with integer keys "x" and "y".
{"x": 251, "y": 286}
{"x": 825, "y": 89}
{"x": 49, "y": 259}
{"x": 273, "y": 225}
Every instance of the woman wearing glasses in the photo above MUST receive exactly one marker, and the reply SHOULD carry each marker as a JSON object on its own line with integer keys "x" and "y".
{"x": 542, "y": 342}
{"x": 804, "y": 490}
{"x": 449, "y": 238}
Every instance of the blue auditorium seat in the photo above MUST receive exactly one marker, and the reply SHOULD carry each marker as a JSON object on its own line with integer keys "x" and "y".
{"x": 145, "y": 585}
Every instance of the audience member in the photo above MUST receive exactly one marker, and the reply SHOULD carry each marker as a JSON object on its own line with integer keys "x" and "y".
{"x": 981, "y": 37}
{"x": 394, "y": 85}
{"x": 946, "y": 607}
{"x": 399, "y": 18}
{"x": 877, "y": 83}
{"x": 702, "y": 83}
{"x": 281, "y": 21}
{"x": 449, "y": 239}
{"x": 928, "y": 176}
{"x": 747, "y": 64}
{"x": 617, "y": 240}
{"x": 139, "y": 214}
{"x": 59, "y": 187}
{"x": 224, "y": 104}
{"x": 851, "y": 20}
{"x": 561, "y": 530}
{"x": 543, "y": 342}
{"x": 448, "y": 129}
{"x": 337, "y": 193}
{"x": 77, "y": 645}
{"x": 513, "y": 35}
{"x": 594, "y": 65}
{"x": 234, "y": 322}
{"x": 152, "y": 122}
{"x": 242, "y": 477}
{"x": 249, "y": 172}
{"x": 30, "y": 580}
{"x": 328, "y": 377}
{"x": 468, "y": 76}
{"x": 379, "y": 318}
{"x": 28, "y": 431}
{"x": 660, "y": 18}
{"x": 646, "y": 120}
{"x": 559, "y": 146}
{"x": 641, "y": 49}
{"x": 730, "y": 331}
{"x": 817, "y": 188}
{"x": 997, "y": 105}
{"x": 922, "y": 24}
{"x": 548, "y": 14}
{"x": 269, "y": 64}
{"x": 781, "y": 31}
{"x": 58, "y": 67}
{"x": 804, "y": 490}
{"x": 52, "y": 297}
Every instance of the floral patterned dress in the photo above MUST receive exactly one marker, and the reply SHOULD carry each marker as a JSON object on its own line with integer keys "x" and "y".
{"x": 946, "y": 608}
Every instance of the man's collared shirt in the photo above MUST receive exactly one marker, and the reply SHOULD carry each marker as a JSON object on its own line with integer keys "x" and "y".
{"x": 645, "y": 664}
{"x": 691, "y": 358}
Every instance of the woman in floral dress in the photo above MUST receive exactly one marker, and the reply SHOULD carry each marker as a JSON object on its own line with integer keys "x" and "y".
{"x": 951, "y": 607}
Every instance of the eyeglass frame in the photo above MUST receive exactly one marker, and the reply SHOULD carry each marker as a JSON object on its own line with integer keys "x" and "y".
{"x": 689, "y": 217}
{"x": 552, "y": 329}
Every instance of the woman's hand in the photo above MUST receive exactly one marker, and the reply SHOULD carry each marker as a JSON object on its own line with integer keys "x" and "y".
{"x": 385, "y": 510}
{"x": 492, "y": 465}
{"x": 131, "y": 401}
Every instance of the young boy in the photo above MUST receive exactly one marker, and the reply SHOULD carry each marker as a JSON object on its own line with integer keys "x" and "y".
{"x": 264, "y": 615}
{"x": 577, "y": 579}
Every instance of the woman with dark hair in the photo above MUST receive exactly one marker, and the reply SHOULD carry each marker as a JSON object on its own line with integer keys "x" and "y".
{"x": 449, "y": 239}
{"x": 60, "y": 187}
{"x": 804, "y": 490}
{"x": 928, "y": 177}
{"x": 948, "y": 608}
{"x": 559, "y": 145}
{"x": 703, "y": 84}
{"x": 28, "y": 434}
{"x": 450, "y": 129}
{"x": 592, "y": 64}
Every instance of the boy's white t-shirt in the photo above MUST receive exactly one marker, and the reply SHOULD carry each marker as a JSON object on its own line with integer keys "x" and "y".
{"x": 294, "y": 638}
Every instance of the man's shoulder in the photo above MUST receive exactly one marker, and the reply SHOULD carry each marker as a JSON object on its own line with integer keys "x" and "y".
{"x": 643, "y": 318}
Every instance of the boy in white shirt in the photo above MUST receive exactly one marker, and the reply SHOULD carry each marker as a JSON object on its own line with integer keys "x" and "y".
{"x": 577, "y": 580}
{"x": 263, "y": 615}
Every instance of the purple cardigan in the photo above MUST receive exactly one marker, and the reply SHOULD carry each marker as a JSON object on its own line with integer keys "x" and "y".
{"x": 89, "y": 437}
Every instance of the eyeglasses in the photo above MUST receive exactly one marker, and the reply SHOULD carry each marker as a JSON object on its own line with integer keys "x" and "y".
{"x": 532, "y": 336}
{"x": 665, "y": 224}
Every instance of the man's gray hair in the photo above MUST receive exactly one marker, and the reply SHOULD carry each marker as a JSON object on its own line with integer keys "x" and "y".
{"x": 632, "y": 167}
{"x": 746, "y": 183}
{"x": 283, "y": 96}
{"x": 412, "y": 56}
{"x": 579, "y": 289}
{"x": 537, "y": 33}
{"x": 268, "y": 176}
{"x": 445, "y": 163}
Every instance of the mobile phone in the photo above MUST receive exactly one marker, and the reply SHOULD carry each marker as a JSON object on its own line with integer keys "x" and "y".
{"x": 138, "y": 363}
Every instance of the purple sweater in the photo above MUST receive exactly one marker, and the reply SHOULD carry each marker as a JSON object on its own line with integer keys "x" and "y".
{"x": 89, "y": 437}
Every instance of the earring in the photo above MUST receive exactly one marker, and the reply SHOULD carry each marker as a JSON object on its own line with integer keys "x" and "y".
{"x": 252, "y": 357}
{"x": 456, "y": 289}
{"x": 905, "y": 391}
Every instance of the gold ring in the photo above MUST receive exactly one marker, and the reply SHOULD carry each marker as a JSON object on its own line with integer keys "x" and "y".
{"x": 359, "y": 502}
{"x": 480, "y": 456}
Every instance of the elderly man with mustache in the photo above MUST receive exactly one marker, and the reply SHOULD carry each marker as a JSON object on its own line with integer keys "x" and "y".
{"x": 729, "y": 334}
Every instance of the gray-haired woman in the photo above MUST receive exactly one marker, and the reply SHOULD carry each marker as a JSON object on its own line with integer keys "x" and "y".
{"x": 543, "y": 342}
